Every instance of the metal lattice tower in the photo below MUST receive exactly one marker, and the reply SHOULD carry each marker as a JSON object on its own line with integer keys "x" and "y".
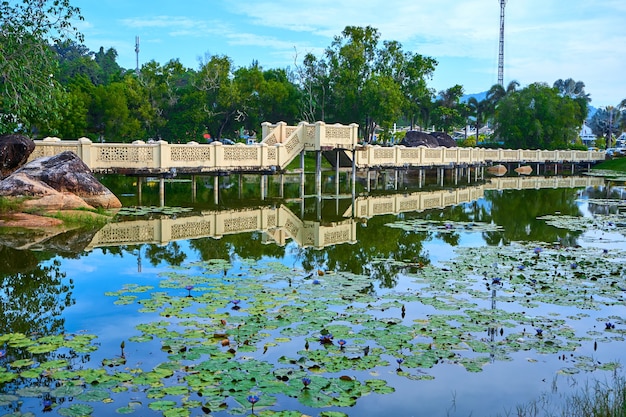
{"x": 501, "y": 50}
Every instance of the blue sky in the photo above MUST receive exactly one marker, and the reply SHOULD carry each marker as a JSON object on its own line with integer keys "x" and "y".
{"x": 544, "y": 39}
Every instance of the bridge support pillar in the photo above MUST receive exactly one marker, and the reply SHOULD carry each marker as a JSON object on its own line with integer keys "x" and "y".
{"x": 337, "y": 172}
{"x": 216, "y": 189}
{"x": 162, "y": 191}
{"x": 193, "y": 189}
{"x": 353, "y": 173}
{"x": 318, "y": 173}
{"x": 139, "y": 184}
{"x": 556, "y": 168}
{"x": 302, "y": 174}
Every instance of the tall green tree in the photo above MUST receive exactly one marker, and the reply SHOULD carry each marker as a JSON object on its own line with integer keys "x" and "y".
{"x": 538, "y": 117}
{"x": 165, "y": 88}
{"x": 351, "y": 61}
{"x": 417, "y": 70}
{"x": 30, "y": 93}
{"x": 313, "y": 81}
{"x": 448, "y": 111}
{"x": 109, "y": 68}
{"x": 224, "y": 105}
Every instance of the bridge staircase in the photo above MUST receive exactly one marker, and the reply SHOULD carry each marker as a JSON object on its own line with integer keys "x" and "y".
{"x": 328, "y": 139}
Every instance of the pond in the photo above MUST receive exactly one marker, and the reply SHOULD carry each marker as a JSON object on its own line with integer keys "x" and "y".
{"x": 243, "y": 295}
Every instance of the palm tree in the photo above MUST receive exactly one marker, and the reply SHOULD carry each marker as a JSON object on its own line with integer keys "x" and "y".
{"x": 571, "y": 88}
{"x": 479, "y": 110}
{"x": 497, "y": 92}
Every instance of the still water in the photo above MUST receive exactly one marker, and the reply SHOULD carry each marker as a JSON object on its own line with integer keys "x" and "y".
{"x": 249, "y": 296}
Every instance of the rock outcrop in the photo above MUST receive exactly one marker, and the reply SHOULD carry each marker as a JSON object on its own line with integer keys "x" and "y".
{"x": 60, "y": 182}
{"x": 414, "y": 138}
{"x": 444, "y": 139}
{"x": 14, "y": 152}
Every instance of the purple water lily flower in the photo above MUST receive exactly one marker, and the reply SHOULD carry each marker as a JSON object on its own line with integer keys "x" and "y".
{"x": 306, "y": 382}
{"x": 341, "y": 343}
{"x": 253, "y": 399}
{"x": 537, "y": 250}
{"x": 3, "y": 353}
{"x": 609, "y": 325}
{"x": 539, "y": 332}
{"x": 47, "y": 405}
{"x": 326, "y": 339}
{"x": 189, "y": 288}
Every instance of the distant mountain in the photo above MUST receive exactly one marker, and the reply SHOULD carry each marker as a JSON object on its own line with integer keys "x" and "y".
{"x": 477, "y": 96}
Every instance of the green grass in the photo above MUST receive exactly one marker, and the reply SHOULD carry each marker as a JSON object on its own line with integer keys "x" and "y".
{"x": 616, "y": 164}
{"x": 83, "y": 218}
{"x": 10, "y": 205}
{"x": 309, "y": 163}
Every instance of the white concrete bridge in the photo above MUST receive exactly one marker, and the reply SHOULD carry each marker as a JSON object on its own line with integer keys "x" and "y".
{"x": 281, "y": 144}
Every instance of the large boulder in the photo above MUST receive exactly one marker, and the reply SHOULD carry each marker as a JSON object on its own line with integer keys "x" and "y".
{"x": 14, "y": 152}
{"x": 58, "y": 182}
{"x": 444, "y": 139}
{"x": 414, "y": 138}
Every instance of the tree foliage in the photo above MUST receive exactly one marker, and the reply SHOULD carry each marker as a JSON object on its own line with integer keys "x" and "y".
{"x": 30, "y": 93}
{"x": 54, "y": 85}
{"x": 538, "y": 117}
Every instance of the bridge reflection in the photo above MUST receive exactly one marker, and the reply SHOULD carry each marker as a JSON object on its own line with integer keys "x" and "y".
{"x": 279, "y": 224}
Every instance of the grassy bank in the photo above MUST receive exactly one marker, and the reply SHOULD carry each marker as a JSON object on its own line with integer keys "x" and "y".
{"x": 617, "y": 164}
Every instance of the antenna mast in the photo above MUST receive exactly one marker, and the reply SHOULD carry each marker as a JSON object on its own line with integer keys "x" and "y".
{"x": 137, "y": 53}
{"x": 501, "y": 54}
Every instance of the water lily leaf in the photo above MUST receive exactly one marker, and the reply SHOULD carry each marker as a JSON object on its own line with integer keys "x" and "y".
{"x": 43, "y": 348}
{"x": 66, "y": 391}
{"x": 7, "y": 399}
{"x": 21, "y": 363}
{"x": 76, "y": 410}
{"x": 162, "y": 405}
{"x": 32, "y": 392}
{"x": 94, "y": 395}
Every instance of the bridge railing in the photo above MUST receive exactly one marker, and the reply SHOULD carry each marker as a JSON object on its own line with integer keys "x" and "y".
{"x": 162, "y": 156}
{"x": 280, "y": 146}
{"x": 378, "y": 156}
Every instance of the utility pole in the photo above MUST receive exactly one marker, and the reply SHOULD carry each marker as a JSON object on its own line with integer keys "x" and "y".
{"x": 137, "y": 53}
{"x": 501, "y": 49}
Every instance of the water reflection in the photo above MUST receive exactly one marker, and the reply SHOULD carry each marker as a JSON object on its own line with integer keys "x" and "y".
{"x": 316, "y": 234}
